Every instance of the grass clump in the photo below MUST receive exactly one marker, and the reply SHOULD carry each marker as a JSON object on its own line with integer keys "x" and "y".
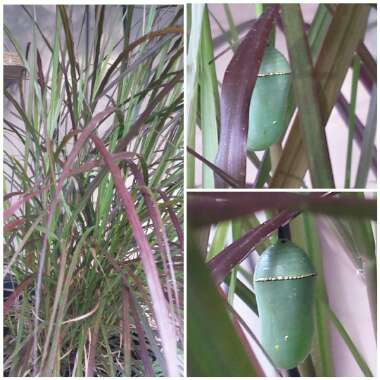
{"x": 93, "y": 184}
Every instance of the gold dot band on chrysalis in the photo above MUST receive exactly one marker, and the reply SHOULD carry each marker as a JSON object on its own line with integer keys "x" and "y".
{"x": 272, "y": 74}
{"x": 282, "y": 278}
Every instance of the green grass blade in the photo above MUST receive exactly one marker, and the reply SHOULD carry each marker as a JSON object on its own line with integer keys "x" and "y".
{"x": 305, "y": 90}
{"x": 351, "y": 123}
{"x": 325, "y": 367}
{"x": 209, "y": 317}
{"x": 192, "y": 73}
{"x": 350, "y": 344}
{"x": 208, "y": 100}
{"x": 345, "y": 32}
{"x": 368, "y": 142}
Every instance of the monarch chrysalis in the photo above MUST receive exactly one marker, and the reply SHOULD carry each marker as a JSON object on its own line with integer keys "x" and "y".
{"x": 267, "y": 110}
{"x": 284, "y": 286}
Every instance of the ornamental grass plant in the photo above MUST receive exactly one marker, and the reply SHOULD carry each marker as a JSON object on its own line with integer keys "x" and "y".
{"x": 93, "y": 191}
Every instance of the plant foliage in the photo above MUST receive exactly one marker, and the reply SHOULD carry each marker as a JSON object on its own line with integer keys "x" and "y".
{"x": 93, "y": 184}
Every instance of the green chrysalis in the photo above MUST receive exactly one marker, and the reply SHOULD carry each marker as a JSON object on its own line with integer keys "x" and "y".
{"x": 267, "y": 110}
{"x": 284, "y": 285}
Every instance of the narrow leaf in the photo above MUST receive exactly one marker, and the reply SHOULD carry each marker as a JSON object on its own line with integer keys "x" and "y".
{"x": 207, "y": 86}
{"x": 217, "y": 206}
{"x": 351, "y": 123}
{"x": 159, "y": 303}
{"x": 238, "y": 83}
{"x": 305, "y": 90}
{"x": 209, "y": 327}
{"x": 236, "y": 252}
{"x": 350, "y": 344}
{"x": 192, "y": 72}
{"x": 345, "y": 32}
{"x": 368, "y": 145}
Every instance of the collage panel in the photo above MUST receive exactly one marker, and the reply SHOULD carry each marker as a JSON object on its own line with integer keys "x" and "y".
{"x": 281, "y": 284}
{"x": 282, "y": 96}
{"x": 93, "y": 245}
{"x": 251, "y": 252}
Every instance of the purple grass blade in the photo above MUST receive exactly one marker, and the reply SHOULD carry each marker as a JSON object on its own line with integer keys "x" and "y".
{"x": 238, "y": 83}
{"x": 89, "y": 165}
{"x": 209, "y": 208}
{"x": 12, "y": 194}
{"x": 127, "y": 341}
{"x": 7, "y": 213}
{"x": 148, "y": 370}
{"x": 236, "y": 252}
{"x": 12, "y": 225}
{"x": 365, "y": 79}
{"x": 162, "y": 240}
{"x": 174, "y": 218}
{"x": 91, "y": 362}
{"x": 217, "y": 171}
{"x": 100, "y": 117}
{"x": 164, "y": 323}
